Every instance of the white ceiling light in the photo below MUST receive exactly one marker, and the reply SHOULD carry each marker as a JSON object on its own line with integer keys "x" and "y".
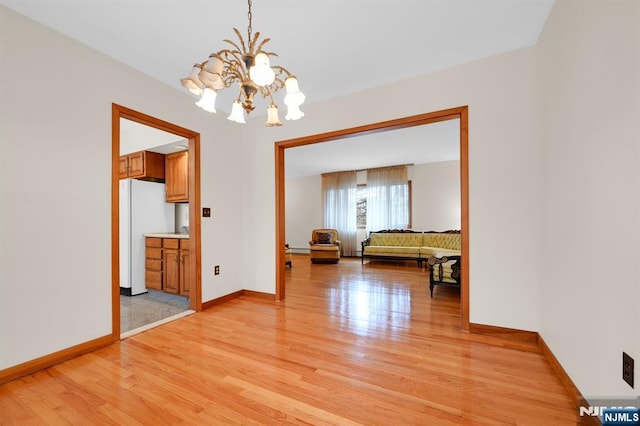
{"x": 249, "y": 66}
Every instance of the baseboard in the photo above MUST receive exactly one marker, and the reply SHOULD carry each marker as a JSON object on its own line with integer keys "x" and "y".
{"x": 260, "y": 295}
{"x": 559, "y": 371}
{"x": 249, "y": 293}
{"x": 221, "y": 300}
{"x": 507, "y": 333}
{"x": 47, "y": 361}
{"x": 568, "y": 384}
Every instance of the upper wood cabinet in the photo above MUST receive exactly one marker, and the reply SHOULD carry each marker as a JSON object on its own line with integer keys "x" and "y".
{"x": 177, "y": 177}
{"x": 143, "y": 165}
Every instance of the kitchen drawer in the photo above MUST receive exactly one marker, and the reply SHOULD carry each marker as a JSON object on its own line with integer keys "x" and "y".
{"x": 153, "y": 242}
{"x": 153, "y": 253}
{"x": 184, "y": 243}
{"x": 154, "y": 280}
{"x": 171, "y": 243}
{"x": 153, "y": 264}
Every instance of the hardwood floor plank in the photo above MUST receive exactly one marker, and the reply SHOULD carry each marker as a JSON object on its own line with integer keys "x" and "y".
{"x": 351, "y": 344}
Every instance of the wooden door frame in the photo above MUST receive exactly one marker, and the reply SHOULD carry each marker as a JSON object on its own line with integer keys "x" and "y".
{"x": 195, "y": 297}
{"x": 461, "y": 113}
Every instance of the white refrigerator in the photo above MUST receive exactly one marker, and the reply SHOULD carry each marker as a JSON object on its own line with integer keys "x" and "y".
{"x": 143, "y": 210}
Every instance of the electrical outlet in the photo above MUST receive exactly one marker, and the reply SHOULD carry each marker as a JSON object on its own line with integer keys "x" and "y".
{"x": 206, "y": 212}
{"x": 627, "y": 369}
{"x": 216, "y": 270}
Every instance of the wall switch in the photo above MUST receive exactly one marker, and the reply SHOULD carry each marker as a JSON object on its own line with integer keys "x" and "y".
{"x": 216, "y": 270}
{"x": 206, "y": 212}
{"x": 627, "y": 369}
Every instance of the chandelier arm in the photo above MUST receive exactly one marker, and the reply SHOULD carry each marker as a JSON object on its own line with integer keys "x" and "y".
{"x": 239, "y": 98}
{"x": 262, "y": 43}
{"x": 256, "y": 37}
{"x": 232, "y": 43}
{"x": 264, "y": 91}
{"x": 281, "y": 70}
{"x": 244, "y": 47}
{"x": 233, "y": 65}
{"x": 277, "y": 84}
{"x": 269, "y": 53}
{"x": 229, "y": 79}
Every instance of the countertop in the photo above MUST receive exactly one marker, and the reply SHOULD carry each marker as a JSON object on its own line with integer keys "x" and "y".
{"x": 167, "y": 235}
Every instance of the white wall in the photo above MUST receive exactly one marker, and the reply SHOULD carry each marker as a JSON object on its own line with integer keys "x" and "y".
{"x": 556, "y": 152}
{"x": 589, "y": 56}
{"x": 435, "y": 202}
{"x": 504, "y": 167}
{"x": 55, "y": 124}
{"x": 303, "y": 210}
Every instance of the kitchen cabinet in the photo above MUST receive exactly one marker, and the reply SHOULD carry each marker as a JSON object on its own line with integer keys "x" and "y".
{"x": 153, "y": 263}
{"x": 177, "y": 177}
{"x": 177, "y": 277}
{"x": 143, "y": 165}
{"x": 185, "y": 270}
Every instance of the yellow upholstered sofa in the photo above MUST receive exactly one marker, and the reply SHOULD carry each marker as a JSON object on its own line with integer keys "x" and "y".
{"x": 397, "y": 244}
{"x": 440, "y": 250}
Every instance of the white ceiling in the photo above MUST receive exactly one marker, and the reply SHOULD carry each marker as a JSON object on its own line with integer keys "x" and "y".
{"x": 334, "y": 47}
{"x": 412, "y": 145}
{"x": 136, "y": 137}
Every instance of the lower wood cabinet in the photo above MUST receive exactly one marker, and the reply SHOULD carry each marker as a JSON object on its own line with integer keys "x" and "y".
{"x": 185, "y": 270}
{"x": 172, "y": 259}
{"x": 153, "y": 263}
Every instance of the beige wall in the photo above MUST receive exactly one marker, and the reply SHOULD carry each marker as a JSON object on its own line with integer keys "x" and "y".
{"x": 589, "y": 65}
{"x": 55, "y": 187}
{"x": 435, "y": 201}
{"x": 553, "y": 160}
{"x": 504, "y": 166}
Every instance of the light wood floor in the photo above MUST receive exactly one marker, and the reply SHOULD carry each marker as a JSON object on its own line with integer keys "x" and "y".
{"x": 350, "y": 345}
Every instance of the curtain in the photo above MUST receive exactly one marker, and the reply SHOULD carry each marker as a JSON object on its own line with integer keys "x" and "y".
{"x": 339, "y": 203}
{"x": 387, "y": 198}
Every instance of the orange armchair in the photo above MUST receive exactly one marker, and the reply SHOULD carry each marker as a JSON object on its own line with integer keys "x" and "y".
{"x": 324, "y": 246}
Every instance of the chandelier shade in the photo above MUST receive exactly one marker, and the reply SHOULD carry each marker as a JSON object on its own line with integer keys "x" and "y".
{"x": 272, "y": 116}
{"x": 237, "y": 113}
{"x": 248, "y": 66}
{"x": 193, "y": 82}
{"x": 208, "y": 100}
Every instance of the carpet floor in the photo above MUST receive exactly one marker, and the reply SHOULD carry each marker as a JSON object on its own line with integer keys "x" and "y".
{"x": 143, "y": 309}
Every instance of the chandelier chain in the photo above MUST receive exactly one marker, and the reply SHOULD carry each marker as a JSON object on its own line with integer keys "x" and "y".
{"x": 249, "y": 28}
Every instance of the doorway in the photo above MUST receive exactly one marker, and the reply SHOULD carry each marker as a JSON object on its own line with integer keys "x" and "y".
{"x": 460, "y": 113}
{"x": 193, "y": 260}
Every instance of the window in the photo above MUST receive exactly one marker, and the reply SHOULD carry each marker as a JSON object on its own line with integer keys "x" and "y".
{"x": 361, "y": 202}
{"x": 361, "y": 206}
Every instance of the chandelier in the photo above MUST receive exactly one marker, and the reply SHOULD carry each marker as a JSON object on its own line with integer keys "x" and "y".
{"x": 248, "y": 65}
